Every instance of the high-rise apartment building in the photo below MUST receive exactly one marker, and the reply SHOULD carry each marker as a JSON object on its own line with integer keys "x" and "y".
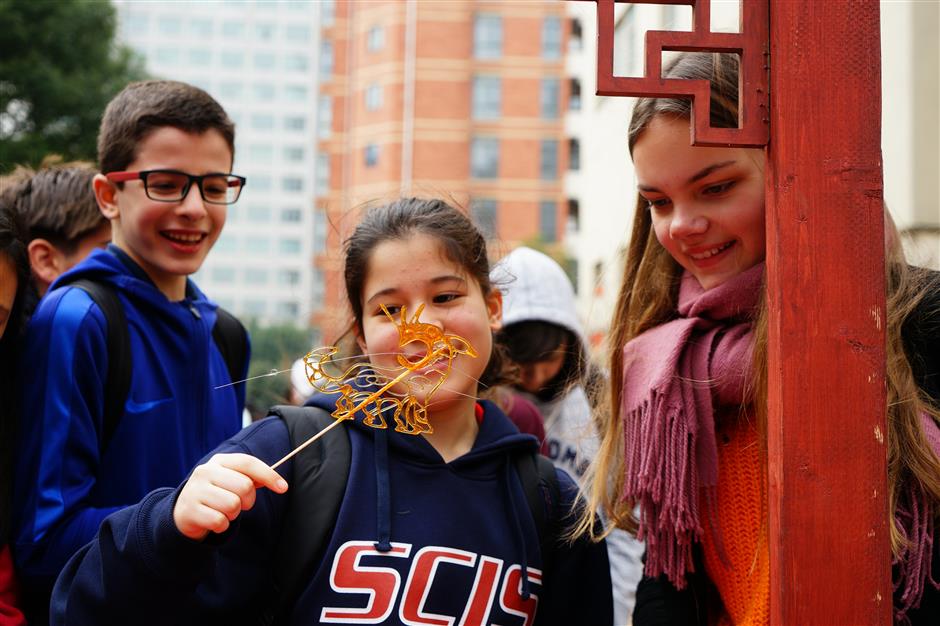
{"x": 259, "y": 60}
{"x": 460, "y": 99}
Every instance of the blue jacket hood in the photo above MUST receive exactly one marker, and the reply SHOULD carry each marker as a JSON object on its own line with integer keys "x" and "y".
{"x": 179, "y": 406}
{"x": 116, "y": 267}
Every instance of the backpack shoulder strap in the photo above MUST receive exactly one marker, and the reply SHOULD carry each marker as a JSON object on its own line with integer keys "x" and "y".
{"x": 118, "y": 379}
{"x": 232, "y": 340}
{"x": 317, "y": 486}
{"x": 540, "y": 483}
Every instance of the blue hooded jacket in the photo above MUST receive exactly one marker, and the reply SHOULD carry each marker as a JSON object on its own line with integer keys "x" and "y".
{"x": 65, "y": 482}
{"x": 416, "y": 541}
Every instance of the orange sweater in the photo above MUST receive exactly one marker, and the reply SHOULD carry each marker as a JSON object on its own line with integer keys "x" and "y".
{"x": 743, "y": 580}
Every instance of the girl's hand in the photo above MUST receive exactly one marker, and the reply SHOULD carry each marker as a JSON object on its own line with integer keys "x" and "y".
{"x": 219, "y": 490}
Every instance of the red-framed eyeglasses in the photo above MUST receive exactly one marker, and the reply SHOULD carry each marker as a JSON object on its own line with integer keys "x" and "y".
{"x": 173, "y": 185}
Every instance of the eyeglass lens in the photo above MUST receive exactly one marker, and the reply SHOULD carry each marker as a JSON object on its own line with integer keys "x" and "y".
{"x": 173, "y": 186}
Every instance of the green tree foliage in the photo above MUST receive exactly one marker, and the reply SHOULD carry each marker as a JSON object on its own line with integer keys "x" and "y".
{"x": 59, "y": 67}
{"x": 273, "y": 348}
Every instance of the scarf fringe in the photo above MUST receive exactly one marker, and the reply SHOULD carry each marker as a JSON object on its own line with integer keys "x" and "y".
{"x": 917, "y": 527}
{"x": 664, "y": 486}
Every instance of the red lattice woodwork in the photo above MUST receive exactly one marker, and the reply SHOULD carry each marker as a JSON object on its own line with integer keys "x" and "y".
{"x": 751, "y": 44}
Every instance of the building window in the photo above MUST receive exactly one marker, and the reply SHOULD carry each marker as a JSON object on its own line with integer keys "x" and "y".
{"x": 200, "y": 57}
{"x": 548, "y": 221}
{"x": 260, "y": 183}
{"x": 484, "y": 157}
{"x": 317, "y": 285}
{"x": 483, "y": 211}
{"x": 625, "y": 44}
{"x": 264, "y": 60}
{"x": 574, "y": 154}
{"x": 297, "y": 33}
{"x": 375, "y": 38}
{"x": 371, "y": 155}
{"x": 291, "y": 216}
{"x": 326, "y": 60}
{"x": 295, "y": 62}
{"x": 319, "y": 231}
{"x": 548, "y": 161}
{"x": 264, "y": 31}
{"x": 167, "y": 56}
{"x": 232, "y": 59}
{"x": 287, "y": 309}
{"x": 170, "y": 25}
{"x": 487, "y": 37}
{"x": 255, "y": 308}
{"x": 230, "y": 90}
{"x": 257, "y": 245}
{"x": 324, "y": 116}
{"x": 258, "y": 214}
{"x": 486, "y": 97}
{"x": 260, "y": 153}
{"x": 290, "y": 246}
{"x": 327, "y": 12}
{"x": 574, "y": 97}
{"x": 323, "y": 173}
{"x": 288, "y": 277}
{"x": 225, "y": 243}
{"x": 548, "y": 98}
{"x": 223, "y": 274}
{"x": 295, "y": 93}
{"x": 295, "y": 123}
{"x": 293, "y": 154}
{"x": 233, "y": 30}
{"x": 551, "y": 37}
{"x": 374, "y": 97}
{"x": 133, "y": 24}
{"x": 292, "y": 184}
{"x": 263, "y": 92}
{"x": 576, "y": 39}
{"x": 256, "y": 276}
{"x": 262, "y": 121}
{"x": 573, "y": 224}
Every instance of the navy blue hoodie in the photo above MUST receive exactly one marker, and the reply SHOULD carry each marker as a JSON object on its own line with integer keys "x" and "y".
{"x": 65, "y": 483}
{"x": 416, "y": 541}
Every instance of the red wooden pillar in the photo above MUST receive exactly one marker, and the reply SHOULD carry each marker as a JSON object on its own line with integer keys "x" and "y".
{"x": 829, "y": 541}
{"x": 827, "y": 461}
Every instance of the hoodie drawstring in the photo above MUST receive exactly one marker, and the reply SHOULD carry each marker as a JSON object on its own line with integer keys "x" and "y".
{"x": 510, "y": 485}
{"x": 383, "y": 495}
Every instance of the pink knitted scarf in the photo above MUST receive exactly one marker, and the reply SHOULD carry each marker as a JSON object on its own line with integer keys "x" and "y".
{"x": 917, "y": 526}
{"x": 674, "y": 376}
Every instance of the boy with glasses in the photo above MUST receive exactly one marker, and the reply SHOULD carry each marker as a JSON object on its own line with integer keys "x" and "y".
{"x": 166, "y": 151}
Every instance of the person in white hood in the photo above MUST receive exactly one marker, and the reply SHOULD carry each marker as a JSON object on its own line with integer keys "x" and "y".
{"x": 544, "y": 337}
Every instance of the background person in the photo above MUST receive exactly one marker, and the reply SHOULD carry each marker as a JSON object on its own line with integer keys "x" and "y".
{"x": 166, "y": 149}
{"x": 544, "y": 337}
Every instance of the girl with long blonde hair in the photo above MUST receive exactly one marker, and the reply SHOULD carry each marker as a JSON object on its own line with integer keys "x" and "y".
{"x": 683, "y": 452}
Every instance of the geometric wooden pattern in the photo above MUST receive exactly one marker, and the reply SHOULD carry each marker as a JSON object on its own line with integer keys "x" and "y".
{"x": 752, "y": 44}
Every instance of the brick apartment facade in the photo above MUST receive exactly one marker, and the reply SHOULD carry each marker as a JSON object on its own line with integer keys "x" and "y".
{"x": 458, "y": 99}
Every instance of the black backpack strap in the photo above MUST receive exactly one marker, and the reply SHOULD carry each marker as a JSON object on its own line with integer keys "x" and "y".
{"x": 118, "y": 379}
{"x": 232, "y": 340}
{"x": 542, "y": 492}
{"x": 317, "y": 486}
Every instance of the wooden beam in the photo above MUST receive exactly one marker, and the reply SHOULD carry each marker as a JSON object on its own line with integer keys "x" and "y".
{"x": 829, "y": 541}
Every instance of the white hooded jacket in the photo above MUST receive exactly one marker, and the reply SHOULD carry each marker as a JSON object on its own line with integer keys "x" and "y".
{"x": 534, "y": 288}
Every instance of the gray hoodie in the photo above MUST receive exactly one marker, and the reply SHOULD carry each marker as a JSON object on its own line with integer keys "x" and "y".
{"x": 534, "y": 288}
